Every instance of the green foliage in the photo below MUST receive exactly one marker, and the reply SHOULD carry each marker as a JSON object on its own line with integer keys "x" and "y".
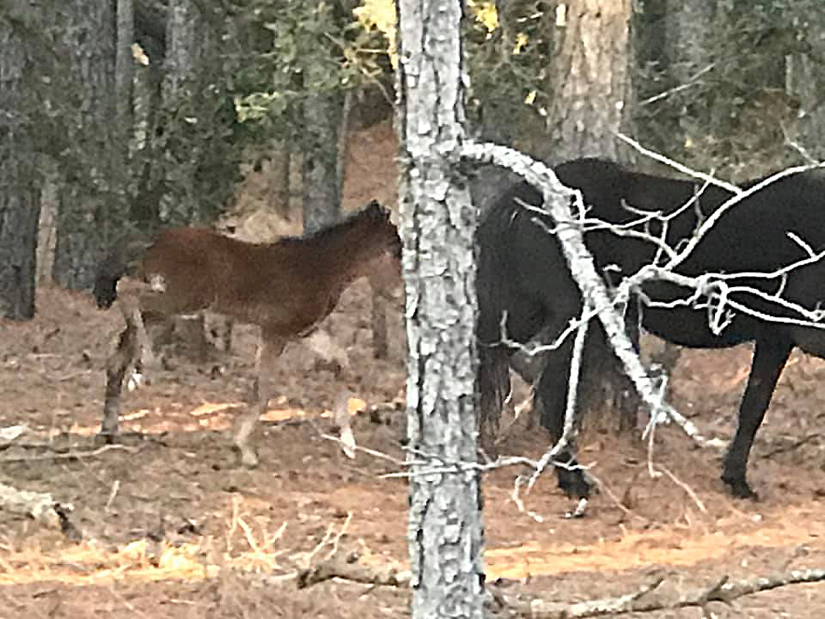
{"x": 295, "y": 49}
{"x": 733, "y": 113}
{"x": 508, "y": 67}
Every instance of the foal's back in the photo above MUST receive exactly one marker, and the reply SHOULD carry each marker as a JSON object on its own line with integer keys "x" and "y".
{"x": 195, "y": 268}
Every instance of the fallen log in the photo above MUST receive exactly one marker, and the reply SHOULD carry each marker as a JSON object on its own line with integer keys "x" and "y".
{"x": 40, "y": 506}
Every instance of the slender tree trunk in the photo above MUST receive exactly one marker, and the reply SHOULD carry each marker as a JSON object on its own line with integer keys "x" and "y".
{"x": 438, "y": 225}
{"x": 47, "y": 225}
{"x": 281, "y": 166}
{"x": 321, "y": 190}
{"x": 806, "y": 82}
{"x": 124, "y": 65}
{"x": 19, "y": 181}
{"x": 185, "y": 37}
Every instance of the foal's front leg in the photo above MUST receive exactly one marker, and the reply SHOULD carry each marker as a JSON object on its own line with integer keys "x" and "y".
{"x": 269, "y": 349}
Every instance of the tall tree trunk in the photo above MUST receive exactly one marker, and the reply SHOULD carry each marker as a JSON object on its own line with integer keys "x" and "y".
{"x": 19, "y": 181}
{"x": 321, "y": 189}
{"x": 591, "y": 81}
{"x": 185, "y": 38}
{"x": 438, "y": 225}
{"x": 592, "y": 97}
{"x": 806, "y": 82}
{"x": 281, "y": 178}
{"x": 124, "y": 65}
{"x": 196, "y": 155}
{"x": 91, "y": 205}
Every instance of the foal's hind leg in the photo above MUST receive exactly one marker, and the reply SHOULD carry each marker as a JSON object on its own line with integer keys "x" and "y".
{"x": 118, "y": 363}
{"x": 269, "y": 348}
{"x": 769, "y": 358}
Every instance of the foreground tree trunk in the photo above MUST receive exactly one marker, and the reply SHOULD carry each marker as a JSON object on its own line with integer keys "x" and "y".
{"x": 19, "y": 182}
{"x": 438, "y": 227}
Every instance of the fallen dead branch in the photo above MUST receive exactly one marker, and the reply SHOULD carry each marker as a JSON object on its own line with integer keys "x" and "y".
{"x": 720, "y": 591}
{"x": 40, "y": 506}
{"x": 346, "y": 567}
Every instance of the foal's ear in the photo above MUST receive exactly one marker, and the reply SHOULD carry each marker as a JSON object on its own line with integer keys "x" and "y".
{"x": 377, "y": 210}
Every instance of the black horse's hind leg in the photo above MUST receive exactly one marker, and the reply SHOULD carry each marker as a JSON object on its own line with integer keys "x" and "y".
{"x": 769, "y": 357}
{"x": 551, "y": 393}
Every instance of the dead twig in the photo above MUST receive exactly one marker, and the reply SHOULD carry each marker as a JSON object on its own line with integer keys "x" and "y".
{"x": 792, "y": 446}
{"x": 70, "y": 455}
{"x": 345, "y": 566}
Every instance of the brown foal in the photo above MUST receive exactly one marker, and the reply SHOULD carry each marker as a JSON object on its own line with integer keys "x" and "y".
{"x": 286, "y": 288}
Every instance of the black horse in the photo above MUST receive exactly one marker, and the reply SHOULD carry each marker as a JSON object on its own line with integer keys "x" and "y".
{"x": 522, "y": 272}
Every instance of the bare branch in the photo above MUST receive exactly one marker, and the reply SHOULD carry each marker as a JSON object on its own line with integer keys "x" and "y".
{"x": 719, "y": 591}
{"x": 679, "y": 166}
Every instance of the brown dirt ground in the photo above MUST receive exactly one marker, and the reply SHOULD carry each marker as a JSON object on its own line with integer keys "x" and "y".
{"x": 174, "y": 528}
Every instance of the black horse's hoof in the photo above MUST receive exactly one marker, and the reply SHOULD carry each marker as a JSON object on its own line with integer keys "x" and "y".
{"x": 739, "y": 488}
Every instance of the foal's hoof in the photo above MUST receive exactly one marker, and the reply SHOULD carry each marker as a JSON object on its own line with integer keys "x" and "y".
{"x": 740, "y": 489}
{"x": 106, "y": 438}
{"x": 249, "y": 459}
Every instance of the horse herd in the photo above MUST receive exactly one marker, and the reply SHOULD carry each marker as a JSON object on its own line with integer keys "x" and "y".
{"x": 766, "y": 249}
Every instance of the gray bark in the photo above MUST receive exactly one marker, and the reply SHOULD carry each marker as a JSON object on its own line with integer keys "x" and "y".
{"x": 19, "y": 182}
{"x": 689, "y": 26}
{"x": 438, "y": 225}
{"x": 185, "y": 39}
{"x": 806, "y": 82}
{"x": 281, "y": 166}
{"x": 124, "y": 65}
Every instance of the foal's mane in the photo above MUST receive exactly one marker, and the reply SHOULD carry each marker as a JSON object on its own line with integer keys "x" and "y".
{"x": 373, "y": 212}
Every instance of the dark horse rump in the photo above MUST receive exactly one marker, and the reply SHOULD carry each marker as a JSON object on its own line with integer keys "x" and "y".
{"x": 522, "y": 272}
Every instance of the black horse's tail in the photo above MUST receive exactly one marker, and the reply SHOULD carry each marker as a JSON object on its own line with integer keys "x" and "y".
{"x": 122, "y": 259}
{"x": 494, "y": 287}
{"x": 493, "y": 386}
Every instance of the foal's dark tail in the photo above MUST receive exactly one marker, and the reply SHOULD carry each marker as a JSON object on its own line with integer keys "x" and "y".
{"x": 120, "y": 260}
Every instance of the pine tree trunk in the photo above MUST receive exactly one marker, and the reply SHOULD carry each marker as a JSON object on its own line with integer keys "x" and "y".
{"x": 19, "y": 184}
{"x": 185, "y": 38}
{"x": 438, "y": 226}
{"x": 281, "y": 168}
{"x": 592, "y": 95}
{"x": 591, "y": 75}
{"x": 806, "y": 82}
{"x": 91, "y": 207}
{"x": 124, "y": 65}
